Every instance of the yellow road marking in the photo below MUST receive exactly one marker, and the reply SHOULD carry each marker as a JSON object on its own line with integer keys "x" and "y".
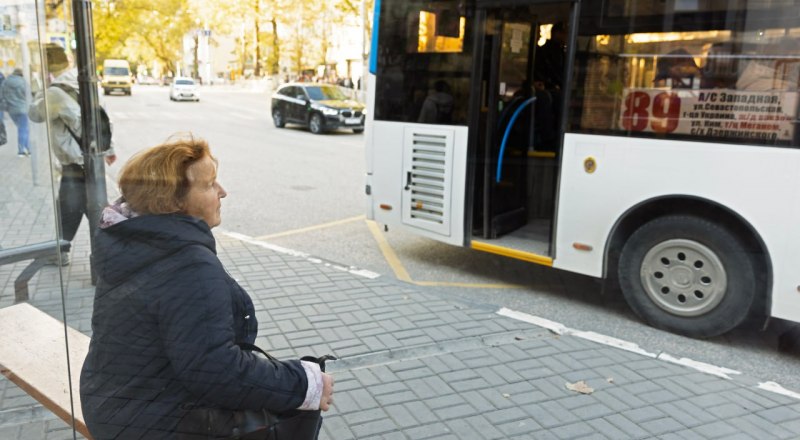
{"x": 388, "y": 253}
{"x": 402, "y": 274}
{"x": 311, "y": 228}
{"x": 468, "y": 285}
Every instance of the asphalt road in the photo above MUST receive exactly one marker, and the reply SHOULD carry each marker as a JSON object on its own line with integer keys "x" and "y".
{"x": 305, "y": 192}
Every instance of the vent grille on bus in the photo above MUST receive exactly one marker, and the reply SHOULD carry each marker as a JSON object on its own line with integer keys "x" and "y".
{"x": 428, "y": 177}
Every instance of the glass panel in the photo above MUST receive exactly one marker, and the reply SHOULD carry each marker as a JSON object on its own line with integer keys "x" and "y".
{"x": 731, "y": 80}
{"x": 425, "y": 62}
{"x": 31, "y": 271}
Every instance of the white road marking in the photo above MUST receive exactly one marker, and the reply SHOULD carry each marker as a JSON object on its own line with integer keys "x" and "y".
{"x": 350, "y": 269}
{"x": 700, "y": 366}
{"x": 775, "y": 388}
{"x": 561, "y": 329}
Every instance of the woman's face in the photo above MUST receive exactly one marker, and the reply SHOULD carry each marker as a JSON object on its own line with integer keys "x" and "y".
{"x": 204, "y": 197}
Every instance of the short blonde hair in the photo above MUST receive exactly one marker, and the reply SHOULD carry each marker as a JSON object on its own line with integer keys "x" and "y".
{"x": 155, "y": 181}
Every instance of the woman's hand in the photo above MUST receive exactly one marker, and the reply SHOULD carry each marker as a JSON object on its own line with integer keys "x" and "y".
{"x": 327, "y": 392}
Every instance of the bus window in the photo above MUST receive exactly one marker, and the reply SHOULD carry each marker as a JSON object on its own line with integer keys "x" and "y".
{"x": 654, "y": 72}
{"x": 424, "y": 63}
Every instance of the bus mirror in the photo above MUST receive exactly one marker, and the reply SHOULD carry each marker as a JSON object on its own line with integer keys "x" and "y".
{"x": 448, "y": 24}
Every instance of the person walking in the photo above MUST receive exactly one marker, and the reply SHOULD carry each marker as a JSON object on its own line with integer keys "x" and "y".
{"x": 14, "y": 94}
{"x": 65, "y": 115}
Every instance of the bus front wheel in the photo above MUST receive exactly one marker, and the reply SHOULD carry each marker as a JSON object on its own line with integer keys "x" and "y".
{"x": 687, "y": 275}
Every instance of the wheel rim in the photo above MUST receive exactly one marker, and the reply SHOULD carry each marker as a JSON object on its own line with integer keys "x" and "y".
{"x": 684, "y": 277}
{"x": 315, "y": 124}
{"x": 278, "y": 117}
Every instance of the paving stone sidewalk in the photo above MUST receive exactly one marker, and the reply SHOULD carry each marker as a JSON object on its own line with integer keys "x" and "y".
{"x": 417, "y": 364}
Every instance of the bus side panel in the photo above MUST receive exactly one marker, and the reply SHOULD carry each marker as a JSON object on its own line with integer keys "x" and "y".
{"x": 387, "y": 142}
{"x": 369, "y": 131}
{"x": 760, "y": 184}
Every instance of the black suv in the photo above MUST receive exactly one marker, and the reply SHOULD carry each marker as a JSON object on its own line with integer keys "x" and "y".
{"x": 321, "y": 107}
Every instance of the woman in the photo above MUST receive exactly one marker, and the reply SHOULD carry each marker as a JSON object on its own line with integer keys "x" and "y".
{"x": 167, "y": 317}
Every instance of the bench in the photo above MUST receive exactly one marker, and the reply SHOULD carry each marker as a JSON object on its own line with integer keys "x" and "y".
{"x": 33, "y": 356}
{"x": 40, "y": 253}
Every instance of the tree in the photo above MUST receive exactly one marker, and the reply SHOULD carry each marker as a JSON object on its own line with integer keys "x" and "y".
{"x": 142, "y": 29}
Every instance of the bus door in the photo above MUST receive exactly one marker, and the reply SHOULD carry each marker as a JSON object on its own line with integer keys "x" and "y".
{"x": 520, "y": 69}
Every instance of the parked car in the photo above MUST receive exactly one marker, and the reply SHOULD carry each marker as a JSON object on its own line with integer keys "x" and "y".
{"x": 183, "y": 89}
{"x": 320, "y": 107}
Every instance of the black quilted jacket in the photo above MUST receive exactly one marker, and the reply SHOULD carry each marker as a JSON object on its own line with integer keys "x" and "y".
{"x": 166, "y": 346}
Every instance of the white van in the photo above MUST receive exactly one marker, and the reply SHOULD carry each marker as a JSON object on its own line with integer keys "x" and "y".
{"x": 116, "y": 77}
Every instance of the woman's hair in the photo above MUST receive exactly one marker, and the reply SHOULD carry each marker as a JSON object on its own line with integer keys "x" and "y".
{"x": 155, "y": 181}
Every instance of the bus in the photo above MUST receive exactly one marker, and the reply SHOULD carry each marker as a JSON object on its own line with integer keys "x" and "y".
{"x": 650, "y": 143}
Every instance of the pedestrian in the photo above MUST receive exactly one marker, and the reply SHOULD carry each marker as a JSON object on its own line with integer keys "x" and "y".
{"x": 437, "y": 108}
{"x": 15, "y": 98}
{"x": 65, "y": 115}
{"x": 551, "y": 59}
{"x": 169, "y": 345}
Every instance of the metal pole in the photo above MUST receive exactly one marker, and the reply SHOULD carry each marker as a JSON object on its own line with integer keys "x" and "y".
{"x": 96, "y": 196}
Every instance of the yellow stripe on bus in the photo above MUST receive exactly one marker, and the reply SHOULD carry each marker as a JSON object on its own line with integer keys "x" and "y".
{"x": 512, "y": 253}
{"x": 545, "y": 154}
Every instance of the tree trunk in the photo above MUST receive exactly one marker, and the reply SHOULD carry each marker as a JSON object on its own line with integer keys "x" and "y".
{"x": 276, "y": 48}
{"x": 256, "y": 19}
{"x": 196, "y": 67}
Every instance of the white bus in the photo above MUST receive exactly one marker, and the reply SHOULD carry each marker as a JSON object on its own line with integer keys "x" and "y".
{"x": 650, "y": 142}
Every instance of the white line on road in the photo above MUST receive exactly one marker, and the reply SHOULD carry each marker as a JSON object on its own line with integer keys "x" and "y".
{"x": 350, "y": 269}
{"x": 561, "y": 329}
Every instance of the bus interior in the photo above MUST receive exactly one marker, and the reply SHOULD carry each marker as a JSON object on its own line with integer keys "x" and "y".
{"x": 520, "y": 68}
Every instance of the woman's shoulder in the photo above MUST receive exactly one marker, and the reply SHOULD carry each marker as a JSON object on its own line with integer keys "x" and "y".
{"x": 195, "y": 257}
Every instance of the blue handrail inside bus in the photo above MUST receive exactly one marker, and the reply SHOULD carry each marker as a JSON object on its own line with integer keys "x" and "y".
{"x": 507, "y": 133}
{"x": 373, "y": 52}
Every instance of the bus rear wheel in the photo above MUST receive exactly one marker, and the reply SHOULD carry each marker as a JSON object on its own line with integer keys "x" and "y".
{"x": 688, "y": 275}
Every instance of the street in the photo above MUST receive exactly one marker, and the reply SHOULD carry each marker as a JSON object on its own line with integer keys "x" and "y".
{"x": 301, "y": 191}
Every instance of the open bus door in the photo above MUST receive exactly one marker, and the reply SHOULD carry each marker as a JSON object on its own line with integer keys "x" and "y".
{"x": 520, "y": 68}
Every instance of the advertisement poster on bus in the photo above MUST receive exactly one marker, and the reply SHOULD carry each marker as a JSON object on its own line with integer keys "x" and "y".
{"x": 763, "y": 116}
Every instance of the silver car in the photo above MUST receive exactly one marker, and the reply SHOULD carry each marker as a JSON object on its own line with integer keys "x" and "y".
{"x": 183, "y": 89}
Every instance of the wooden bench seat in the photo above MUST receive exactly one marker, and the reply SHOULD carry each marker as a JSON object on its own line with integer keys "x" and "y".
{"x": 33, "y": 356}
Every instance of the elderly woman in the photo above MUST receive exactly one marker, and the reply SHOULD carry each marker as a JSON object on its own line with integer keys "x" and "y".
{"x": 168, "y": 319}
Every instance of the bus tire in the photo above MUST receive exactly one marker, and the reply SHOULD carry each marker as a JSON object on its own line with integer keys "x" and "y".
{"x": 315, "y": 123}
{"x": 278, "y": 119}
{"x": 688, "y": 275}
